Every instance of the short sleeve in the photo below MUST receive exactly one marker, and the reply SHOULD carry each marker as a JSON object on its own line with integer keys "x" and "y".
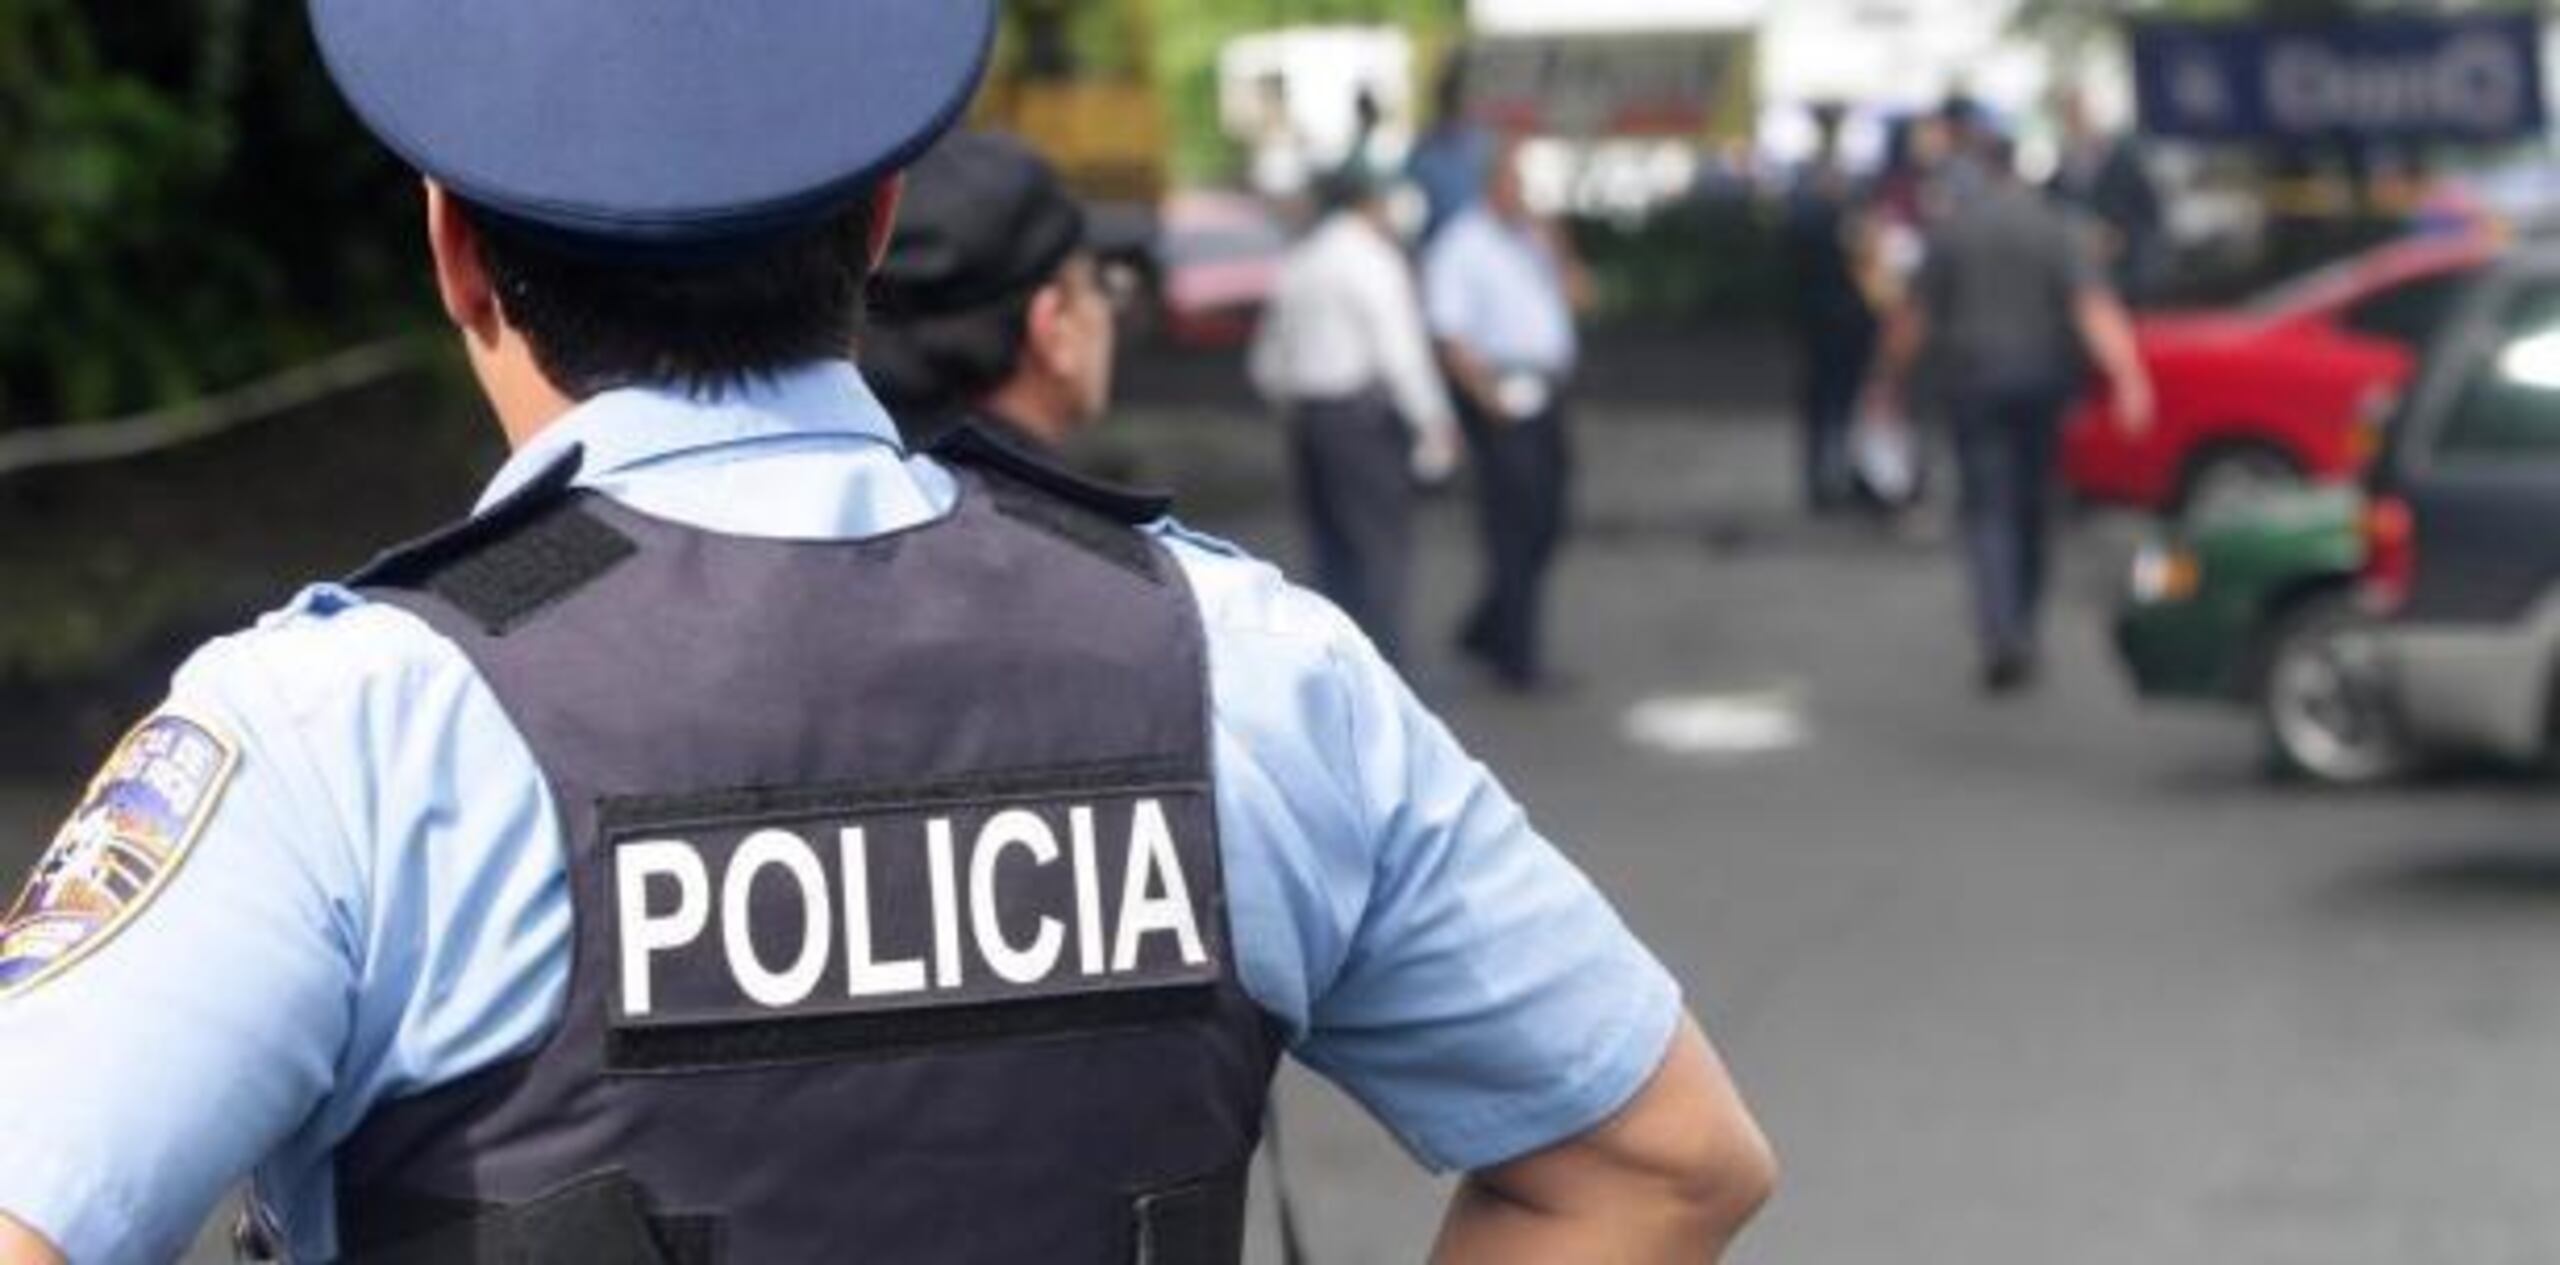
{"x": 178, "y": 976}
{"x": 1491, "y": 1002}
{"x": 1425, "y": 948}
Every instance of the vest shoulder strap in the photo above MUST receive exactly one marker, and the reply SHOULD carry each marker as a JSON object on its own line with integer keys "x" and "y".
{"x": 521, "y": 555}
{"x": 1096, "y": 517}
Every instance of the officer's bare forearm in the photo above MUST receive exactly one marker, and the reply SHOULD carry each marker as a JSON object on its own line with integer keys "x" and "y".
{"x": 1672, "y": 1178}
{"x": 22, "y": 1246}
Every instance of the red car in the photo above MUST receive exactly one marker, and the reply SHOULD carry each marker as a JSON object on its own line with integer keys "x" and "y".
{"x": 2290, "y": 386}
{"x": 1217, "y": 257}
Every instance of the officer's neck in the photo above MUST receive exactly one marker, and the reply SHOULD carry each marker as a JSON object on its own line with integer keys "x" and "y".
{"x": 1036, "y": 409}
{"x": 524, "y": 400}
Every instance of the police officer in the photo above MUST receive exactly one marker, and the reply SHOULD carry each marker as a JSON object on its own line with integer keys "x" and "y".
{"x": 745, "y": 839}
{"x": 990, "y": 309}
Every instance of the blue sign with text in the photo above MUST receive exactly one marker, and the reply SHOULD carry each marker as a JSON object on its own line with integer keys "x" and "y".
{"x": 2452, "y": 78}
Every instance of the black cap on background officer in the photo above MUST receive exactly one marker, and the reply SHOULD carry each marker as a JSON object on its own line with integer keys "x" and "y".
{"x": 990, "y": 307}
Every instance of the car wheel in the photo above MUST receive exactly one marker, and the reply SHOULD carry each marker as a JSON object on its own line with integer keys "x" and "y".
{"x": 2323, "y": 702}
{"x": 2231, "y": 475}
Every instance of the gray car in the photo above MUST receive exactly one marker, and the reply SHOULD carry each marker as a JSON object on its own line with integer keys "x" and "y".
{"x": 2464, "y": 532}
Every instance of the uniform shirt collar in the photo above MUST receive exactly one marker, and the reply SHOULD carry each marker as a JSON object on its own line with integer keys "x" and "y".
{"x": 626, "y": 430}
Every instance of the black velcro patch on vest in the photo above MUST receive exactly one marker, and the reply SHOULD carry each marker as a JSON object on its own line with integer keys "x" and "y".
{"x": 507, "y": 580}
{"x": 776, "y": 926}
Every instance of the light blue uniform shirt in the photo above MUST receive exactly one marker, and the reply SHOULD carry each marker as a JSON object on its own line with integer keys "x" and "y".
{"x": 1493, "y": 288}
{"x": 378, "y": 903}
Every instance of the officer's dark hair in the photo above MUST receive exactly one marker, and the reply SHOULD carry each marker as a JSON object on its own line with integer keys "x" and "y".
{"x": 928, "y": 368}
{"x": 596, "y": 324}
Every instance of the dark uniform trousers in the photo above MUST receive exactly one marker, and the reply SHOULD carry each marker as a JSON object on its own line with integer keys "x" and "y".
{"x": 1029, "y": 674}
{"x": 1523, "y": 469}
{"x": 1353, "y": 459}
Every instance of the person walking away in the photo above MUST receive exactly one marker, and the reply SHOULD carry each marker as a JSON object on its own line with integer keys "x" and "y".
{"x": 1343, "y": 355}
{"x": 2103, "y": 176}
{"x": 1501, "y": 288}
{"x": 744, "y": 838}
{"x": 989, "y": 311}
{"x": 1835, "y": 328}
{"x": 2006, "y": 303}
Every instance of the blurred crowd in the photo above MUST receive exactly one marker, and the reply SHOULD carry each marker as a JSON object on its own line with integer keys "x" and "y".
{"x": 1421, "y": 319}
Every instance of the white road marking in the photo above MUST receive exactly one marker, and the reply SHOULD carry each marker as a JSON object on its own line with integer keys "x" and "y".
{"x": 1713, "y": 725}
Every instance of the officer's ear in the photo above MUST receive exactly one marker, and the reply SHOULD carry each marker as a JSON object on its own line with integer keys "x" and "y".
{"x": 462, "y": 277}
{"x": 886, "y": 197}
{"x": 1047, "y": 331}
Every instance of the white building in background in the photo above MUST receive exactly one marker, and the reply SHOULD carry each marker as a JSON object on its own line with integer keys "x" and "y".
{"x": 1886, "y": 57}
{"x": 1290, "y": 97}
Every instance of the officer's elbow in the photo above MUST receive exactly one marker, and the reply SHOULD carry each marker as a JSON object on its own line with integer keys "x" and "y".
{"x": 1711, "y": 1166}
{"x": 1726, "y": 1183}
{"x": 1674, "y": 1176}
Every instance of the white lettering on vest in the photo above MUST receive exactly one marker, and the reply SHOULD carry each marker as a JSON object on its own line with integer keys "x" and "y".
{"x": 764, "y": 850}
{"x": 645, "y": 933}
{"x": 1012, "y": 828}
{"x": 996, "y": 890}
{"x": 1088, "y": 893}
{"x": 865, "y": 974}
{"x": 1144, "y": 913}
{"x": 946, "y": 916}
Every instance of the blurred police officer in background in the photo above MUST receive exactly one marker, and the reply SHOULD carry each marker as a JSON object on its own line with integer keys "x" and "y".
{"x": 745, "y": 839}
{"x": 990, "y": 310}
{"x": 1501, "y": 288}
{"x": 1343, "y": 354}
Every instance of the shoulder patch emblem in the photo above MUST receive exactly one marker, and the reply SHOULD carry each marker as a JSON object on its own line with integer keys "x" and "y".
{"x": 141, "y": 815}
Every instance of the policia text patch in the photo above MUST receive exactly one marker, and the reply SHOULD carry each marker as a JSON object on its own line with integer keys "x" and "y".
{"x": 779, "y": 925}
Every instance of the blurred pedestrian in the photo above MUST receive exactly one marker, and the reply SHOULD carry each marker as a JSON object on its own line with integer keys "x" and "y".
{"x": 2007, "y": 300}
{"x": 1343, "y": 353}
{"x": 1448, "y": 161}
{"x": 1970, "y": 143}
{"x": 1835, "y": 328}
{"x": 989, "y": 310}
{"x": 2102, "y": 175}
{"x": 1501, "y": 287}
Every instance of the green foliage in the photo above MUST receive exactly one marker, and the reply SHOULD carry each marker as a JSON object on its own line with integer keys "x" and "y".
{"x": 183, "y": 203}
{"x": 1711, "y": 261}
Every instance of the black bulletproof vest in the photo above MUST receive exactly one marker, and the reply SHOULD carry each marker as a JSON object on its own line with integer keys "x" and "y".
{"x": 900, "y": 931}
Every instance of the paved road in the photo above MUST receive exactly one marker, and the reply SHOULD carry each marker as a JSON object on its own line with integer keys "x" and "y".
{"x": 2056, "y": 980}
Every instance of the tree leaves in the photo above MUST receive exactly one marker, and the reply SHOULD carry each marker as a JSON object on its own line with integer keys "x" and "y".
{"x": 183, "y": 205}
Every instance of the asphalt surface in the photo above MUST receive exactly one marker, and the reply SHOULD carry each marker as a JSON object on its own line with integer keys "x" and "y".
{"x": 2058, "y": 979}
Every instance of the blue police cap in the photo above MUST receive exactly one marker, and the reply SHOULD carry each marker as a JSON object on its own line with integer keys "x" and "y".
{"x": 656, "y": 127}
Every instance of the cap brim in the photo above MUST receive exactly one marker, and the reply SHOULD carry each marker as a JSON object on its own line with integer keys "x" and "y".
{"x": 657, "y": 121}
